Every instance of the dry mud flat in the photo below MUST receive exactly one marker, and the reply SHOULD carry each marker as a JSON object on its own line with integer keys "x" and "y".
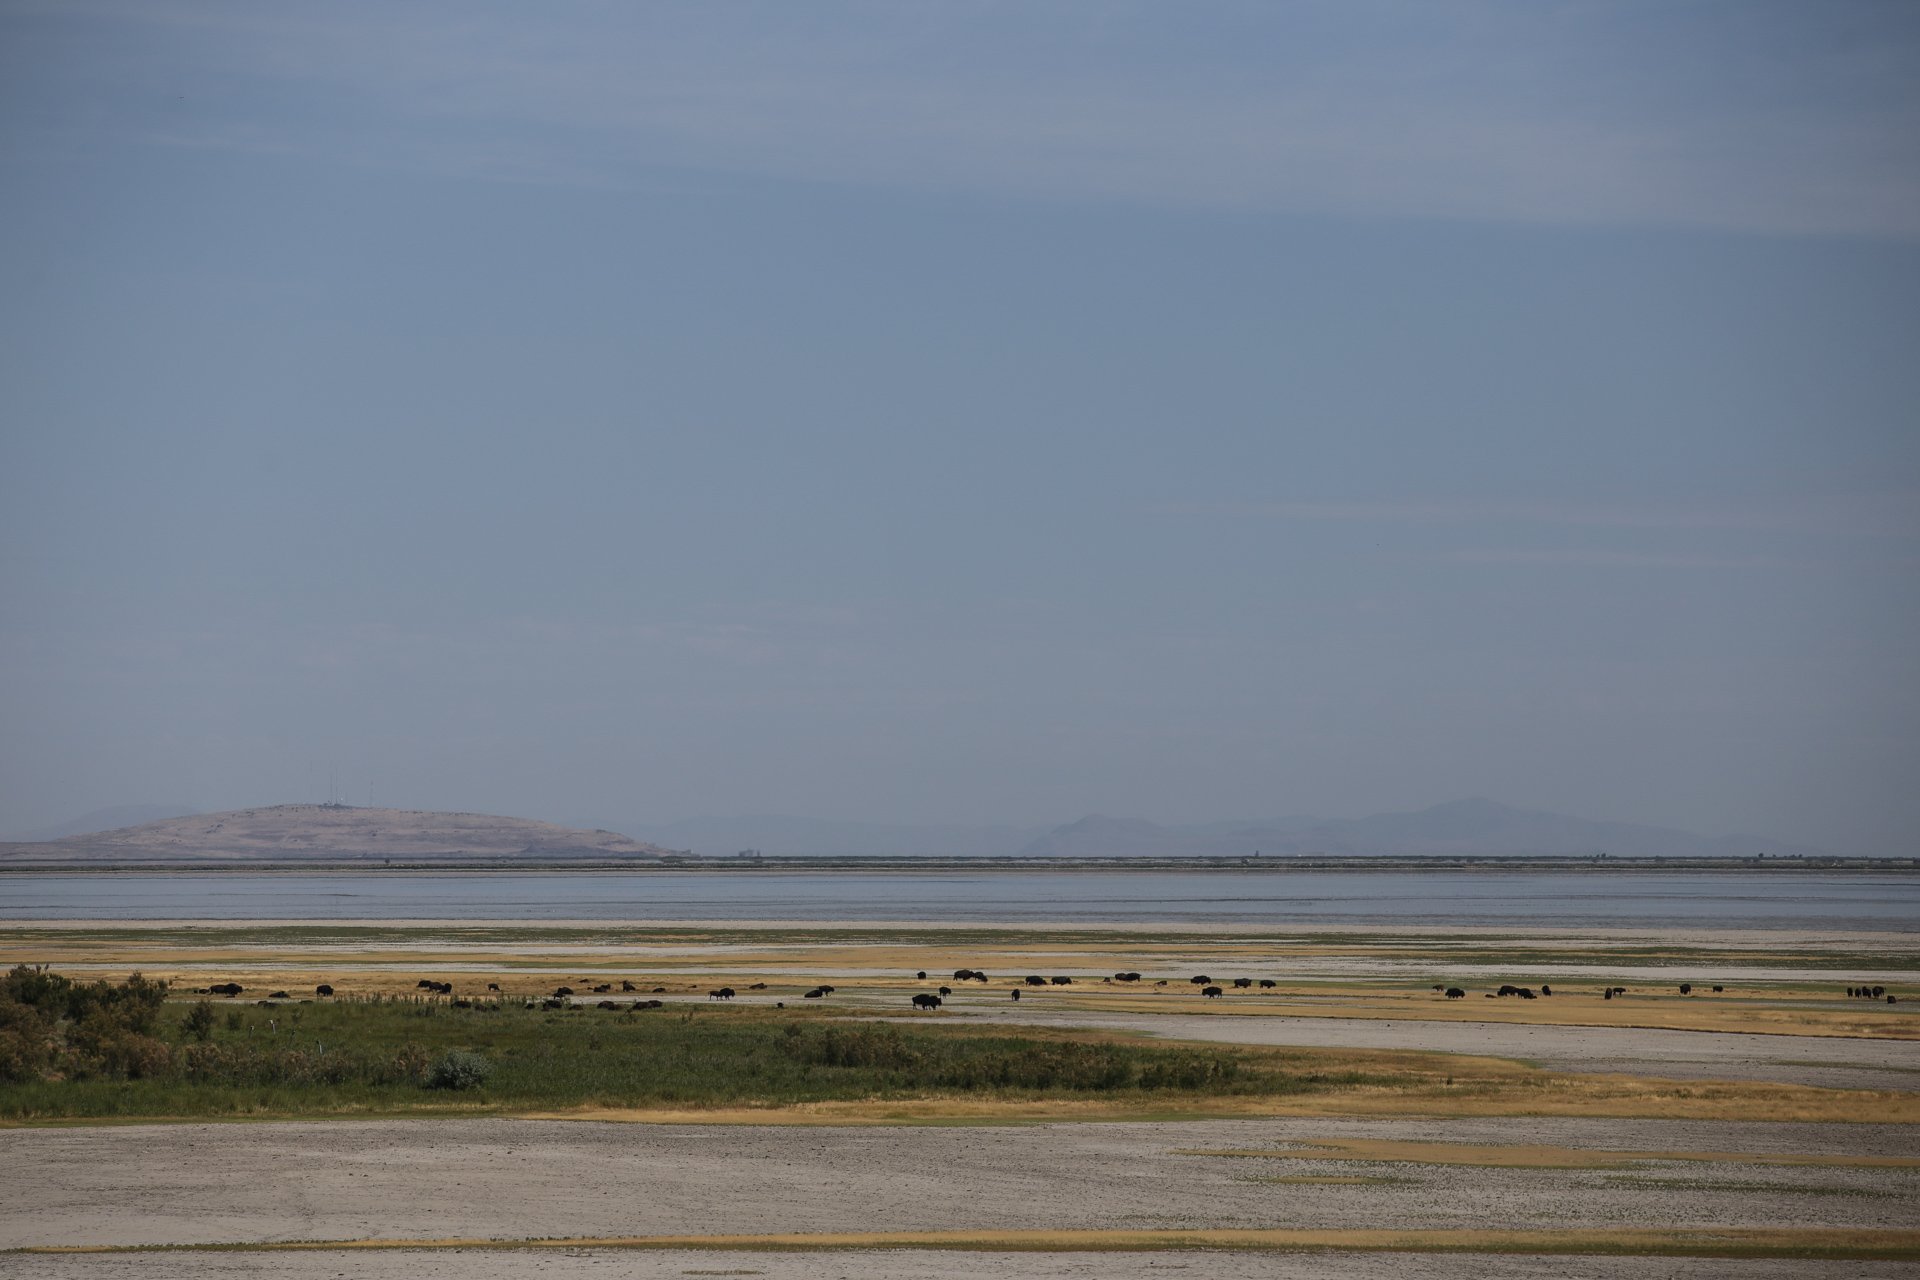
{"x": 197, "y": 1184}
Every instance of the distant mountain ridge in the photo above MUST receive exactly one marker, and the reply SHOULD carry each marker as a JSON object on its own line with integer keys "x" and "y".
{"x": 1460, "y": 827}
{"x": 295, "y": 832}
{"x": 792, "y": 837}
{"x": 305, "y": 832}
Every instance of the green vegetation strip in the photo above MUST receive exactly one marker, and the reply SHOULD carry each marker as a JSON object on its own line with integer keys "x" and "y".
{"x": 1862, "y": 1244}
{"x": 74, "y": 1051}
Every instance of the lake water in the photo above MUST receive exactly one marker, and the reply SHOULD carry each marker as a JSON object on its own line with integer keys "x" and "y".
{"x": 1728, "y": 900}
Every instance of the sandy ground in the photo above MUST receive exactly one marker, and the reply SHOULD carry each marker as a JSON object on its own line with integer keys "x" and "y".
{"x": 519, "y": 1179}
{"x": 1825, "y": 1061}
{"x": 607, "y": 1264}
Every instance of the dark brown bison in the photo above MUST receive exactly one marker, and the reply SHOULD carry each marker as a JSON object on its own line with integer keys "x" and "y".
{"x": 628, "y": 986}
{"x": 563, "y": 991}
{"x": 813, "y": 995}
{"x": 1243, "y": 983}
{"x": 1199, "y": 979}
{"x": 1035, "y": 980}
{"x": 1686, "y": 988}
{"x": 1545, "y": 990}
{"x": 758, "y": 986}
{"x": 1211, "y": 992}
{"x": 1455, "y": 993}
{"x": 493, "y": 986}
{"x": 226, "y": 989}
{"x": 946, "y": 991}
{"x": 1016, "y": 993}
{"x": 925, "y": 1001}
{"x": 720, "y": 993}
{"x": 1063, "y": 982}
{"x": 610, "y": 1004}
{"x": 323, "y": 990}
{"x": 1268, "y": 982}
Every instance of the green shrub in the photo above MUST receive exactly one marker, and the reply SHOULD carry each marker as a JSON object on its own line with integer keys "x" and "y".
{"x": 199, "y": 1022}
{"x": 458, "y": 1069}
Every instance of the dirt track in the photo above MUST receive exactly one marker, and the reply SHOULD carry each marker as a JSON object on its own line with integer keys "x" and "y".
{"x": 605, "y": 1264}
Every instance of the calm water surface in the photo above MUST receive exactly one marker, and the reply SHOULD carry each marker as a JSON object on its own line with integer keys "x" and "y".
{"x": 1731, "y": 900}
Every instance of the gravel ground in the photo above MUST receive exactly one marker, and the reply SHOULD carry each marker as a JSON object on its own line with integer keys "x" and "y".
{"x": 611, "y": 1264}
{"x": 183, "y": 1184}
{"x": 1830, "y": 1062}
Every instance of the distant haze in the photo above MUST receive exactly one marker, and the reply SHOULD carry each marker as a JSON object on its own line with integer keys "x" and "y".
{"x": 1461, "y": 827}
{"x": 948, "y": 420}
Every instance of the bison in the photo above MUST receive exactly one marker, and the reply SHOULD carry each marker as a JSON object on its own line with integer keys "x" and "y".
{"x": 1211, "y": 992}
{"x": 609, "y": 1004}
{"x": 603, "y": 988}
{"x": 1063, "y": 982}
{"x": 946, "y": 991}
{"x": 628, "y": 986}
{"x": 1016, "y": 993}
{"x": 925, "y": 1001}
{"x": 1243, "y": 983}
{"x": 922, "y": 975}
{"x": 1878, "y": 992}
{"x": 1266, "y": 983}
{"x": 720, "y": 993}
{"x": 323, "y": 990}
{"x": 563, "y": 991}
{"x": 1200, "y": 980}
{"x": 1455, "y": 993}
{"x": 1507, "y": 989}
{"x": 1545, "y": 990}
{"x": 758, "y": 986}
{"x": 1035, "y": 980}
{"x": 813, "y": 995}
{"x": 226, "y": 989}
{"x": 1686, "y": 988}
{"x": 493, "y": 986}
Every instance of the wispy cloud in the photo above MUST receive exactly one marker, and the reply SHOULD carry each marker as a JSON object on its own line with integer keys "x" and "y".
{"x": 1750, "y": 116}
{"x": 1599, "y": 558}
{"x": 1863, "y": 515}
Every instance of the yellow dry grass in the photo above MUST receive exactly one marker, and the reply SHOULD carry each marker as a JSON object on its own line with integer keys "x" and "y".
{"x": 1738, "y": 1242}
{"x": 1524, "y": 1156}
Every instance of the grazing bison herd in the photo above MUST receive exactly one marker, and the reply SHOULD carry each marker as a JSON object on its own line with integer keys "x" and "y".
{"x": 1208, "y": 987}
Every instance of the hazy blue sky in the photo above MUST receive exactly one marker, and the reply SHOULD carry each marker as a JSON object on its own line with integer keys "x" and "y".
{"x": 964, "y": 412}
